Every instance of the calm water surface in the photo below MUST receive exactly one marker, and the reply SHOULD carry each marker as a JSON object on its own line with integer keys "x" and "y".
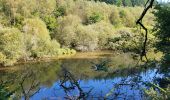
{"x": 78, "y": 78}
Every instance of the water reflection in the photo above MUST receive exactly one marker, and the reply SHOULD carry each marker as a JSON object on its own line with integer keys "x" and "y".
{"x": 68, "y": 87}
{"x": 75, "y": 79}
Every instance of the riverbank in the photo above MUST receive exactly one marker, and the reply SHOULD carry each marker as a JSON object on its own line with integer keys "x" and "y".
{"x": 86, "y": 55}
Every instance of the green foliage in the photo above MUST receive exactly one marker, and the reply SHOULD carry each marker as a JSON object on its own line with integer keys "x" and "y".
{"x": 60, "y": 11}
{"x": 94, "y": 17}
{"x": 37, "y": 28}
{"x": 41, "y": 45}
{"x": 45, "y": 49}
{"x": 162, "y": 26}
{"x": 47, "y": 6}
{"x": 125, "y": 41}
{"x": 66, "y": 51}
{"x": 18, "y": 21}
{"x": 166, "y": 58}
{"x": 100, "y": 18}
{"x": 83, "y": 25}
{"x": 119, "y": 3}
{"x": 11, "y": 44}
{"x": 115, "y": 17}
{"x": 105, "y": 31}
{"x": 5, "y": 93}
{"x": 86, "y": 39}
{"x": 127, "y": 18}
{"x": 51, "y": 22}
{"x": 2, "y": 58}
{"x": 155, "y": 92}
{"x": 125, "y": 2}
{"x": 138, "y": 2}
{"x": 66, "y": 30}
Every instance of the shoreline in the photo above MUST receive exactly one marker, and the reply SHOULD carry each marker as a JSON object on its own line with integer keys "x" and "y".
{"x": 98, "y": 54}
{"x": 78, "y": 55}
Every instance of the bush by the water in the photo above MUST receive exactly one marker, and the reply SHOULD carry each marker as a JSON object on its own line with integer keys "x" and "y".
{"x": 11, "y": 45}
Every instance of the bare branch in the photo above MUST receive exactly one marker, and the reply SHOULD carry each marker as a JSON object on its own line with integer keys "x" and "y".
{"x": 148, "y": 5}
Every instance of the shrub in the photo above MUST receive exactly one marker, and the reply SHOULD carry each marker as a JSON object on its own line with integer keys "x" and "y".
{"x": 45, "y": 7}
{"x": 125, "y": 41}
{"x": 60, "y": 11}
{"x": 50, "y": 22}
{"x": 65, "y": 32}
{"x": 46, "y": 49}
{"x": 34, "y": 31}
{"x": 127, "y": 18}
{"x": 38, "y": 42}
{"x": 68, "y": 6}
{"x": 86, "y": 39}
{"x": 36, "y": 27}
{"x": 115, "y": 18}
{"x": 2, "y": 58}
{"x": 94, "y": 17}
{"x": 66, "y": 51}
{"x": 11, "y": 44}
{"x": 104, "y": 31}
{"x": 102, "y": 9}
{"x": 18, "y": 21}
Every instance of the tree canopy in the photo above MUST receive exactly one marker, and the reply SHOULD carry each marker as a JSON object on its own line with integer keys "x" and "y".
{"x": 125, "y": 2}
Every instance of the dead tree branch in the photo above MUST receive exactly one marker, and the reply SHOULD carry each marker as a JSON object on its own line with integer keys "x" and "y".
{"x": 148, "y": 5}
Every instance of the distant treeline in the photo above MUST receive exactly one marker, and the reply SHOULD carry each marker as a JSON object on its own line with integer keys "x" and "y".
{"x": 130, "y": 3}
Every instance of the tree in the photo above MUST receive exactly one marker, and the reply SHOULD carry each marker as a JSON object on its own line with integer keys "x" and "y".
{"x": 45, "y": 6}
{"x": 162, "y": 27}
{"x": 138, "y": 2}
{"x": 162, "y": 15}
{"x": 119, "y": 3}
{"x": 11, "y": 45}
{"x": 127, "y": 3}
{"x": 10, "y": 8}
{"x": 94, "y": 18}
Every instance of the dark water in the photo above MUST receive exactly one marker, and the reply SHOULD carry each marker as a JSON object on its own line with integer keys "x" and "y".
{"x": 78, "y": 78}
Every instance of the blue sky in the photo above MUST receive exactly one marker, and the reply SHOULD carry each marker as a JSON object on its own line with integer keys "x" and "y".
{"x": 163, "y": 0}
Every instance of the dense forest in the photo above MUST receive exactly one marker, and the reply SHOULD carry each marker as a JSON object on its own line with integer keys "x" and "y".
{"x": 41, "y": 29}
{"x": 128, "y": 3}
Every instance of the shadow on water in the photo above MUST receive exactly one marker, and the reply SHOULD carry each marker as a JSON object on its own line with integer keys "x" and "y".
{"x": 103, "y": 78}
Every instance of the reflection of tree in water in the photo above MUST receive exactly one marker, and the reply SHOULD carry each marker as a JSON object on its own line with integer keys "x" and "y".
{"x": 69, "y": 83}
{"x": 133, "y": 82}
{"x": 127, "y": 88}
{"x": 5, "y": 93}
{"x": 72, "y": 88}
{"x": 22, "y": 87}
{"x": 26, "y": 81}
{"x": 160, "y": 85}
{"x": 163, "y": 81}
{"x": 73, "y": 84}
{"x": 29, "y": 91}
{"x": 30, "y": 78}
{"x": 102, "y": 66}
